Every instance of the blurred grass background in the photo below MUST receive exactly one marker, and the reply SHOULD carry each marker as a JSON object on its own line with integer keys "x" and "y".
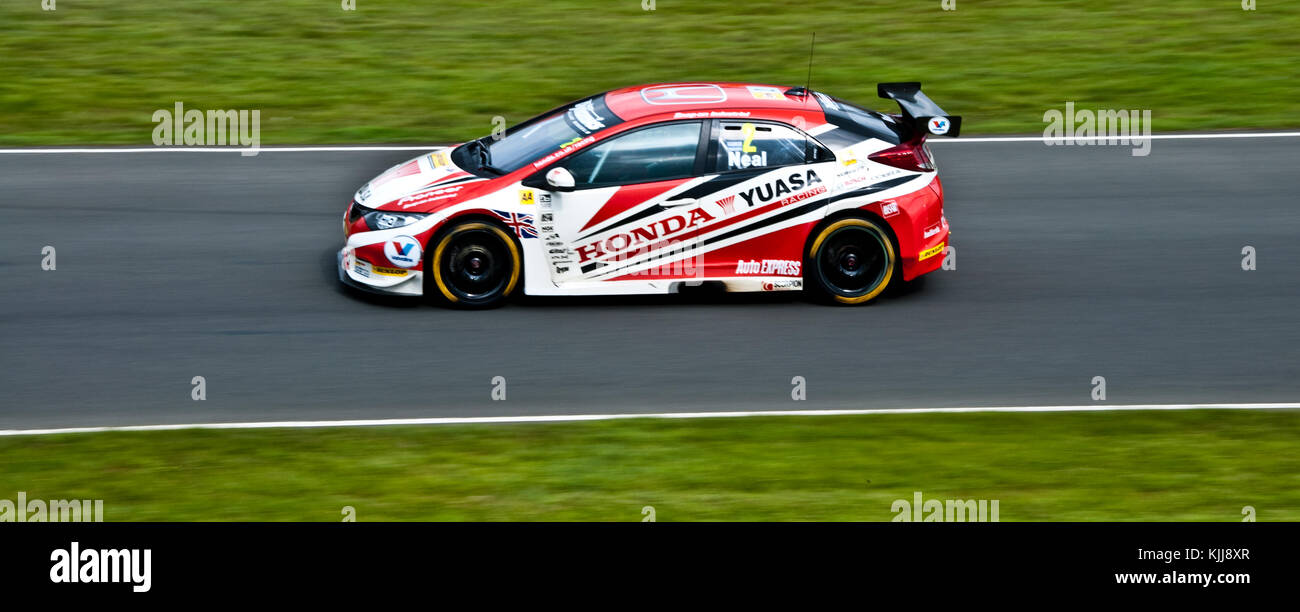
{"x": 1118, "y": 466}
{"x": 421, "y": 71}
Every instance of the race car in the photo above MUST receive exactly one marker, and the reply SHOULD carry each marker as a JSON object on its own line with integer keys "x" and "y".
{"x": 652, "y": 188}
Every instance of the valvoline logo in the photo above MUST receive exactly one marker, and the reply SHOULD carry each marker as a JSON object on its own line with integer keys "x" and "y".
{"x": 403, "y": 251}
{"x": 939, "y": 126}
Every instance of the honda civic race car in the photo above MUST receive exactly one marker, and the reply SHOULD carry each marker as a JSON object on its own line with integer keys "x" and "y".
{"x": 646, "y": 189}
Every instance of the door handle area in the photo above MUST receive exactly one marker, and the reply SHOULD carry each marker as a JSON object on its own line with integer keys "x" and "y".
{"x": 680, "y": 202}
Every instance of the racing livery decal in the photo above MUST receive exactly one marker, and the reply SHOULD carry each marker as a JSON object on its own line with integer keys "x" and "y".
{"x": 520, "y": 224}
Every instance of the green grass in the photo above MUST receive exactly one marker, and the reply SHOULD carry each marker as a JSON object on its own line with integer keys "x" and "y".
{"x": 93, "y": 71}
{"x": 1162, "y": 466}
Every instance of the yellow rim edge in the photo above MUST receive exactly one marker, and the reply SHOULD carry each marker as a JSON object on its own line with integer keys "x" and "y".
{"x": 889, "y": 248}
{"x": 442, "y": 245}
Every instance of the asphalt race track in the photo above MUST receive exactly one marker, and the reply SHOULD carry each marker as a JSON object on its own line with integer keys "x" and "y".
{"x": 1072, "y": 262}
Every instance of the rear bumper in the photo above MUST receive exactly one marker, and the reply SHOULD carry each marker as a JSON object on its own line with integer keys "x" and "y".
{"x": 922, "y": 230}
{"x": 929, "y": 258}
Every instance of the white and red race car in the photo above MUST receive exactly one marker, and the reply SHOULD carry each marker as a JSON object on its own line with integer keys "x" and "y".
{"x": 646, "y": 189}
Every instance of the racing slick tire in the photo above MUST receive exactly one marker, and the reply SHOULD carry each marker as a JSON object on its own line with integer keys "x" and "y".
{"x": 850, "y": 261}
{"x": 473, "y": 265}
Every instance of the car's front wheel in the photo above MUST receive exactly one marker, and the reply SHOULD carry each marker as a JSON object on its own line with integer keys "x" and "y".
{"x": 850, "y": 261}
{"x": 473, "y": 265}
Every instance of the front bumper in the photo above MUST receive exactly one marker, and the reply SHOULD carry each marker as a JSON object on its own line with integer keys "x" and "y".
{"x": 358, "y": 273}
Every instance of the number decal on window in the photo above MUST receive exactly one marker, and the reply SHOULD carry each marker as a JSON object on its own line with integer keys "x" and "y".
{"x": 748, "y": 146}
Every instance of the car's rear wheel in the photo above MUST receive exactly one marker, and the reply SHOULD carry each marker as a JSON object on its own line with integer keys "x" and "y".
{"x": 850, "y": 261}
{"x": 473, "y": 265}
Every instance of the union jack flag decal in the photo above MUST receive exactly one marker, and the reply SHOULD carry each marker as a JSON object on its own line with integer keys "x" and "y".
{"x": 521, "y": 224}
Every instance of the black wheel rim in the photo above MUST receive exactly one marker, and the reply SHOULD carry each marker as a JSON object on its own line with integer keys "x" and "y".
{"x": 476, "y": 265}
{"x": 853, "y": 260}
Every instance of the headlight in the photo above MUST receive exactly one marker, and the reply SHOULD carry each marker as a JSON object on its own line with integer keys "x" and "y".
{"x": 384, "y": 219}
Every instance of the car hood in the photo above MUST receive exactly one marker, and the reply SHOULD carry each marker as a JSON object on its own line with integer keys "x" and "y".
{"x": 422, "y": 184}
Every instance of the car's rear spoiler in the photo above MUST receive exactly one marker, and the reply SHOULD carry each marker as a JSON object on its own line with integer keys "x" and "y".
{"x": 920, "y": 110}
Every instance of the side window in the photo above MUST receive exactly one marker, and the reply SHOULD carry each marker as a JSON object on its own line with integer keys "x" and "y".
{"x": 742, "y": 145}
{"x": 652, "y": 154}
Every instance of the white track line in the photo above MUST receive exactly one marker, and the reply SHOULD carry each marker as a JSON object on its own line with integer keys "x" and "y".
{"x": 567, "y": 418}
{"x": 326, "y": 149}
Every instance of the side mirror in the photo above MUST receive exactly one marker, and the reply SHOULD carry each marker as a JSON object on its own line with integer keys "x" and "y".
{"x": 560, "y": 179}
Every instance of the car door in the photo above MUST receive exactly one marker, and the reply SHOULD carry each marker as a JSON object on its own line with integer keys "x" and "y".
{"x": 622, "y": 206}
{"x": 762, "y": 178}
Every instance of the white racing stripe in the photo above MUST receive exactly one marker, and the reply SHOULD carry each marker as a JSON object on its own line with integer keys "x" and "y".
{"x": 321, "y": 149}
{"x": 567, "y": 418}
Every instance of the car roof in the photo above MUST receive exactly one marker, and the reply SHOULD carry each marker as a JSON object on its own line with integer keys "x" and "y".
{"x": 631, "y": 103}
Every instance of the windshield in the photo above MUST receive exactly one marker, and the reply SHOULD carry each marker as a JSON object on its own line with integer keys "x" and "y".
{"x": 543, "y": 134}
{"x": 533, "y": 141}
